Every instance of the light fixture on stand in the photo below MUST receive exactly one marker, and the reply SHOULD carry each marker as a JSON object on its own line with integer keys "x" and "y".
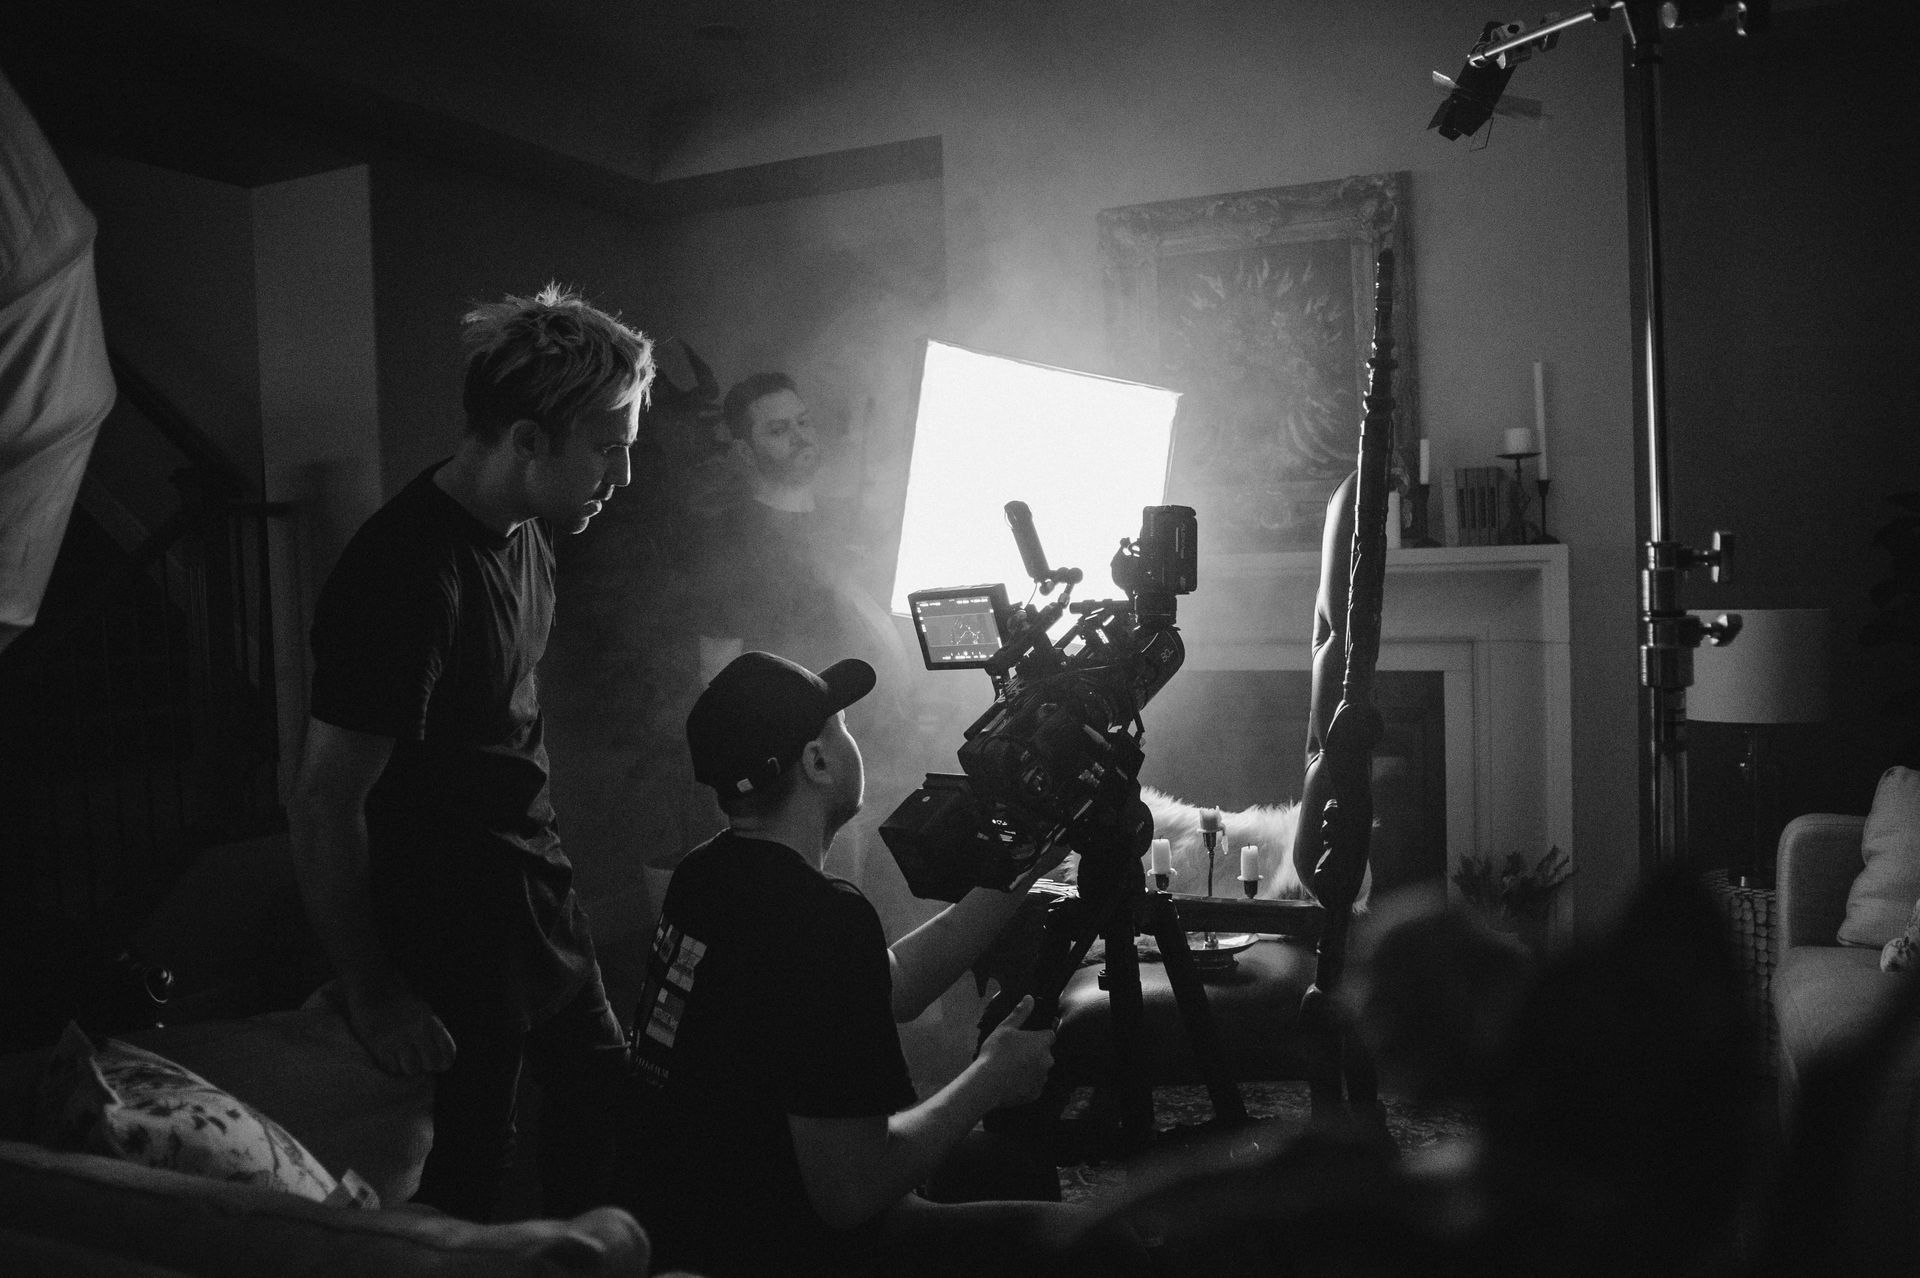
{"x": 1668, "y": 635}
{"x": 1775, "y": 673}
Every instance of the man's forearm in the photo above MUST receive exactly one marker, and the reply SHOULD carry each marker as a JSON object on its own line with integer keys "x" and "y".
{"x": 929, "y": 959}
{"x": 330, "y": 861}
{"x": 852, "y": 1178}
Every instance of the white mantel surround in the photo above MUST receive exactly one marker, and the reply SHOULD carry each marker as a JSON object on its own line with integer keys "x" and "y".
{"x": 1493, "y": 620}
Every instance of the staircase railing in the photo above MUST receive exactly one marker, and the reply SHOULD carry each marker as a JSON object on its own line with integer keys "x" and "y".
{"x": 137, "y": 718}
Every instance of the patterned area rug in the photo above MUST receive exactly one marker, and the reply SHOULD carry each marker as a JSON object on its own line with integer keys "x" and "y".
{"x": 1178, "y": 1108}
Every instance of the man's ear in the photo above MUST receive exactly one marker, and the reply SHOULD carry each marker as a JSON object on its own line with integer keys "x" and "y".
{"x": 814, "y": 762}
{"x": 528, "y": 440}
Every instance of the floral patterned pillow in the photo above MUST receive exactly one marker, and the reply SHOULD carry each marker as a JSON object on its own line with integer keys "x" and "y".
{"x": 133, "y": 1105}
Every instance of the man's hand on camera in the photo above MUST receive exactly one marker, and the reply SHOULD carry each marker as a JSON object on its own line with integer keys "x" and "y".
{"x": 1018, "y": 1058}
{"x": 401, "y": 1033}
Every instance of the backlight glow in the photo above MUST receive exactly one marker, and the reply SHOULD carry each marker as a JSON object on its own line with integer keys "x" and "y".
{"x": 1086, "y": 453}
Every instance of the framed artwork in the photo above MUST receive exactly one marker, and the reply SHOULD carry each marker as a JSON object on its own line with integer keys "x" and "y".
{"x": 1258, "y": 307}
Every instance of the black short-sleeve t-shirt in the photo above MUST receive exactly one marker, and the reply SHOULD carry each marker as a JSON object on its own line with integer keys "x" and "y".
{"x": 768, "y": 994}
{"x": 430, "y": 630}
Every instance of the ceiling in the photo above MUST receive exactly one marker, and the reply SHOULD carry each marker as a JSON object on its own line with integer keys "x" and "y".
{"x": 252, "y": 92}
{"x": 594, "y": 94}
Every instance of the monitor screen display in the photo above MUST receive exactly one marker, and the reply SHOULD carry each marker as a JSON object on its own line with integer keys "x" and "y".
{"x": 959, "y": 628}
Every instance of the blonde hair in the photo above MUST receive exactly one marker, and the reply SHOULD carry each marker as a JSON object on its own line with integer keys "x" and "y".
{"x": 550, "y": 358}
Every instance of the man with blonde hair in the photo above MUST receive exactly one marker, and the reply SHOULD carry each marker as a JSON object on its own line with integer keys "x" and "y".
{"x": 422, "y": 829}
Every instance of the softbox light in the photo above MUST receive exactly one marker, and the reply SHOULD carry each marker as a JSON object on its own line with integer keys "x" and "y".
{"x": 1085, "y": 452}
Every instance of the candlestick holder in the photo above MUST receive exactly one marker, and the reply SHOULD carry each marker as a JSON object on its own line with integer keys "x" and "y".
{"x": 1210, "y": 837}
{"x": 1516, "y": 531}
{"x": 1541, "y": 536}
{"x": 1250, "y": 888}
{"x": 1419, "y": 530}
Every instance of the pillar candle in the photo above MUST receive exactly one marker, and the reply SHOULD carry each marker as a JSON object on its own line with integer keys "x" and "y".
{"x": 1540, "y": 414}
{"x": 1425, "y": 461}
{"x": 1162, "y": 853}
{"x": 1393, "y": 521}
{"x": 1519, "y": 440}
{"x": 1250, "y": 862}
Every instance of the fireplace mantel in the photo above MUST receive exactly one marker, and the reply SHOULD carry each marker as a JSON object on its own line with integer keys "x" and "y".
{"x": 1492, "y": 619}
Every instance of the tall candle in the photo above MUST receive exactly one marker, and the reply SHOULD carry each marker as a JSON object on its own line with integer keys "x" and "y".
{"x": 1519, "y": 440}
{"x": 1162, "y": 853}
{"x": 1540, "y": 414}
{"x": 1425, "y": 461}
{"x": 1249, "y": 862}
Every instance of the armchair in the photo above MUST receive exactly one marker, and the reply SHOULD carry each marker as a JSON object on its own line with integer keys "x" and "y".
{"x": 1849, "y": 1065}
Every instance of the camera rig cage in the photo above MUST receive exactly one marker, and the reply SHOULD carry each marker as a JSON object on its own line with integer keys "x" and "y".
{"x": 1058, "y": 752}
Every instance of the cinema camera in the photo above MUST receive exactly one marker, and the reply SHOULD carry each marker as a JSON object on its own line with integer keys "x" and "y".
{"x": 1057, "y": 755}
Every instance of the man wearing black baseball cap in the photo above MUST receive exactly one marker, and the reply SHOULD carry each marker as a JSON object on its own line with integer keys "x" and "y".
{"x": 776, "y": 1128}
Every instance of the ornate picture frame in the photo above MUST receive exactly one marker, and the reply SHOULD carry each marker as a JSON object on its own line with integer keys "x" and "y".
{"x": 1258, "y": 306}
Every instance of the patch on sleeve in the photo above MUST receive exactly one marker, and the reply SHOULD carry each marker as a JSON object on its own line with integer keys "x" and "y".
{"x": 670, "y": 975}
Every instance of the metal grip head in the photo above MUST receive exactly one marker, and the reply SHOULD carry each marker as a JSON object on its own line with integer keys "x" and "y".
{"x": 1720, "y": 558}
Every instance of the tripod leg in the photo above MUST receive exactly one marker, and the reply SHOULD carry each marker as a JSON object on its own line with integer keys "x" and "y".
{"x": 1126, "y": 1015}
{"x": 1071, "y": 925}
{"x": 1190, "y": 996}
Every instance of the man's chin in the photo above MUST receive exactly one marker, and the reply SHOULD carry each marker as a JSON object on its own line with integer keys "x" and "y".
{"x": 838, "y": 818}
{"x": 799, "y": 471}
{"x": 581, "y": 517}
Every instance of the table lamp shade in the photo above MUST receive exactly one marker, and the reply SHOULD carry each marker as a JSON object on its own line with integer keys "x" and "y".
{"x": 1775, "y": 670}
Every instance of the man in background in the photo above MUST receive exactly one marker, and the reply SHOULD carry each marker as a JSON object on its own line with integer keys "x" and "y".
{"x": 777, "y": 1130}
{"x": 423, "y": 834}
{"x": 765, "y": 577}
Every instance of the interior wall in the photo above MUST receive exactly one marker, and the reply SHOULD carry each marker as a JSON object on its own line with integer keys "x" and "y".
{"x": 175, "y": 261}
{"x": 319, "y": 412}
{"x": 445, "y": 239}
{"x": 1048, "y": 114}
{"x": 1792, "y": 379}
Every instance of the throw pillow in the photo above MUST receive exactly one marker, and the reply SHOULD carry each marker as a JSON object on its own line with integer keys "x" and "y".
{"x": 1902, "y": 953}
{"x": 1884, "y": 891}
{"x": 134, "y": 1105}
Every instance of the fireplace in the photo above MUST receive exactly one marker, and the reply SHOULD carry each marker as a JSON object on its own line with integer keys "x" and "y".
{"x": 1485, "y": 629}
{"x": 1234, "y": 738}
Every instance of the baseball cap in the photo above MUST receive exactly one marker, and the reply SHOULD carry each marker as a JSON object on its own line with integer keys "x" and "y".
{"x": 757, "y": 715}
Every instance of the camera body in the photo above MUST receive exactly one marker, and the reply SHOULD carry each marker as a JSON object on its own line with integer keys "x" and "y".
{"x": 1060, "y": 747}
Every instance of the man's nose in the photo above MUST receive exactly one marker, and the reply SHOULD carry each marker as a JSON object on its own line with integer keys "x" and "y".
{"x": 622, "y": 469}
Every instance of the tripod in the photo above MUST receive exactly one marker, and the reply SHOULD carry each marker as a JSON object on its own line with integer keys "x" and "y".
{"x": 1113, "y": 904}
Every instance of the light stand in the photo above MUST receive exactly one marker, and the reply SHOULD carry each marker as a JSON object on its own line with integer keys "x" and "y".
{"x": 1668, "y": 635}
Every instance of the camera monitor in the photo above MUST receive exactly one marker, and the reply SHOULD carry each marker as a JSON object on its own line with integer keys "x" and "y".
{"x": 959, "y": 626}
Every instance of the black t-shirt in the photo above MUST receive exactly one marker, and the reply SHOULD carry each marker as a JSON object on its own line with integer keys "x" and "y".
{"x": 768, "y": 993}
{"x": 428, "y": 631}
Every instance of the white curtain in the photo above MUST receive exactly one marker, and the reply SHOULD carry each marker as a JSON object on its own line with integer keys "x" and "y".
{"x": 55, "y": 385}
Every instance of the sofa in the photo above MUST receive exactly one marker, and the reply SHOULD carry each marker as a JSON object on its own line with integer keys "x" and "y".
{"x": 232, "y": 934}
{"x": 1849, "y": 1032}
{"x": 71, "y": 1213}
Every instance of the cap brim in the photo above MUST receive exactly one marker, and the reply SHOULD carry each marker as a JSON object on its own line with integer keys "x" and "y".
{"x": 847, "y": 681}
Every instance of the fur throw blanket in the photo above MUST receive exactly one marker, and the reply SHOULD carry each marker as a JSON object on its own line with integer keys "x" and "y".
{"x": 1267, "y": 826}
